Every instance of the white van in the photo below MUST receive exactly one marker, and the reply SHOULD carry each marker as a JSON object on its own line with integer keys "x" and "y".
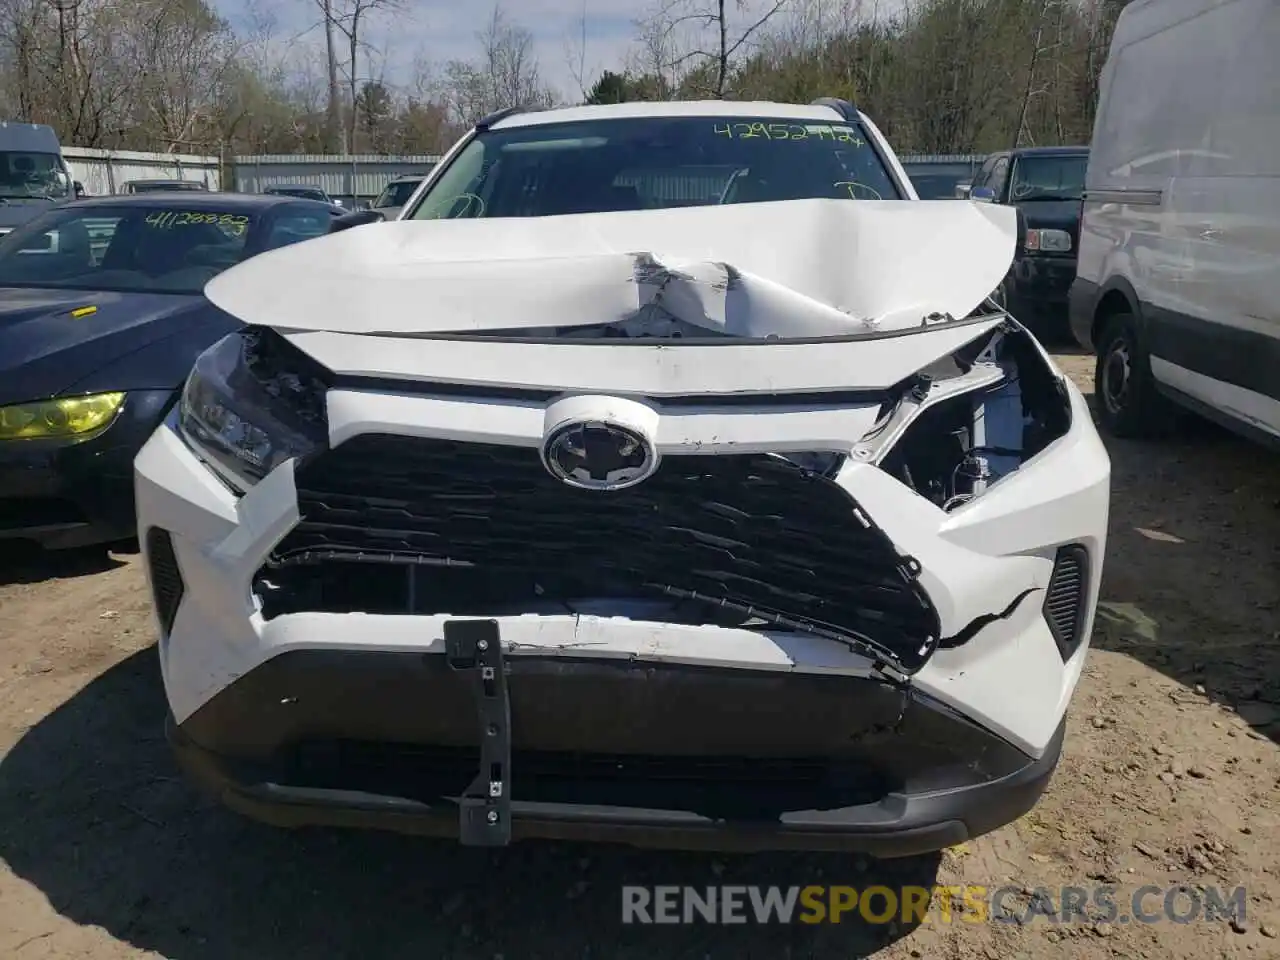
{"x": 1178, "y": 284}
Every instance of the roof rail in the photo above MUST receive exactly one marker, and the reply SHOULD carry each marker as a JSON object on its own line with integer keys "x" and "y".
{"x": 484, "y": 123}
{"x": 842, "y": 107}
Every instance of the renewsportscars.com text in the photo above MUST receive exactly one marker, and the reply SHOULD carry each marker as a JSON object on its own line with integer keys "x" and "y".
{"x": 945, "y": 904}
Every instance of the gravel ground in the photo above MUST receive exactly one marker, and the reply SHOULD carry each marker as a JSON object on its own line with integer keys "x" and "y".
{"x": 1169, "y": 777}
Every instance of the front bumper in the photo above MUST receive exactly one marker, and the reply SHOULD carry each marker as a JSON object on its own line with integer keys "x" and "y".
{"x": 312, "y": 712}
{"x": 62, "y": 494}
{"x": 778, "y": 762}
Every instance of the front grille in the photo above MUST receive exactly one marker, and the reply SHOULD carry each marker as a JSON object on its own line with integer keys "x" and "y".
{"x": 1064, "y": 602}
{"x": 166, "y": 577}
{"x": 752, "y": 533}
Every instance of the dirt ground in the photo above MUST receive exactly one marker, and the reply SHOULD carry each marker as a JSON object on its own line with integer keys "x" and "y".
{"x": 1170, "y": 777}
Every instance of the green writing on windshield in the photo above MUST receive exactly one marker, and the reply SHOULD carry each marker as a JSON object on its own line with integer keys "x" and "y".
{"x": 168, "y": 219}
{"x": 788, "y": 131}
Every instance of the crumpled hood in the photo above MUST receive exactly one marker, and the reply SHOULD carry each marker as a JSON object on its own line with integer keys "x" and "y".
{"x": 807, "y": 268}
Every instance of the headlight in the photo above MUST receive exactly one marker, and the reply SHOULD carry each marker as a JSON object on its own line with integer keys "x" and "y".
{"x": 252, "y": 402}
{"x": 1048, "y": 241}
{"x": 60, "y": 419}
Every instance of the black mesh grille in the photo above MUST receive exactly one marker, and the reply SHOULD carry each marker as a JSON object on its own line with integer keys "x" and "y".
{"x": 166, "y": 578}
{"x": 754, "y": 533}
{"x": 1065, "y": 598}
{"x": 727, "y": 786}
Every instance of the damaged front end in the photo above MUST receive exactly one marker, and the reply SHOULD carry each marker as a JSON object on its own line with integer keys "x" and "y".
{"x": 753, "y": 540}
{"x": 701, "y": 546}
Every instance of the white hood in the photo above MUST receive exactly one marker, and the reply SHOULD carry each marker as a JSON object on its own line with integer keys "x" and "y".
{"x": 807, "y": 268}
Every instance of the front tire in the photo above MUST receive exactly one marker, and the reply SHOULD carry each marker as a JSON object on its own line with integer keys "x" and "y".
{"x": 1129, "y": 405}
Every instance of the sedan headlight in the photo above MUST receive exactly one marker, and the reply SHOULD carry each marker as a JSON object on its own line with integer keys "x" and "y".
{"x": 62, "y": 418}
{"x": 250, "y": 403}
{"x": 1048, "y": 241}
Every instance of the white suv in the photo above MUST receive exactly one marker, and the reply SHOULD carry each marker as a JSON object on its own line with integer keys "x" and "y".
{"x": 660, "y": 476}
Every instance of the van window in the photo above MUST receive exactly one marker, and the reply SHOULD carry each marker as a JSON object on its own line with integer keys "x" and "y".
{"x": 25, "y": 175}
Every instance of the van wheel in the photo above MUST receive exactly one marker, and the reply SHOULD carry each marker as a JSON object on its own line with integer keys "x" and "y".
{"x": 1128, "y": 403}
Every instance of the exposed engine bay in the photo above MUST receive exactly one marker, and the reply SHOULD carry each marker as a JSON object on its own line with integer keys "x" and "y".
{"x": 972, "y": 418}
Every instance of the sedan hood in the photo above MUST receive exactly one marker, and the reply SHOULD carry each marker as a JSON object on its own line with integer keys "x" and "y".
{"x": 51, "y": 339}
{"x": 791, "y": 269}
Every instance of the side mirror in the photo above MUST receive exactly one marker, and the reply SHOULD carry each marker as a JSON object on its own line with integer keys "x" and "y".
{"x": 78, "y": 188}
{"x": 962, "y": 191}
{"x": 982, "y": 195}
{"x": 356, "y": 218}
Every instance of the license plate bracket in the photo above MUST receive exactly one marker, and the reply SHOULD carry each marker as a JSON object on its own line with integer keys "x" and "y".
{"x": 474, "y": 647}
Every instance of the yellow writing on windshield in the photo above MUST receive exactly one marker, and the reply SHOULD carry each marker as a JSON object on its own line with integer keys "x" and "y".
{"x": 747, "y": 130}
{"x": 167, "y": 219}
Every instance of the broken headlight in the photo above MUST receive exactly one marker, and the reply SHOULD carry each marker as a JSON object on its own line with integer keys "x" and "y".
{"x": 250, "y": 403}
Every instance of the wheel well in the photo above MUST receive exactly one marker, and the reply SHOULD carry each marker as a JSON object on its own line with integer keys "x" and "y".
{"x": 1112, "y": 303}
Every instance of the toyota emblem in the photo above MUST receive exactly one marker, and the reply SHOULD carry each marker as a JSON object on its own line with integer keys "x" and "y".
{"x": 596, "y": 455}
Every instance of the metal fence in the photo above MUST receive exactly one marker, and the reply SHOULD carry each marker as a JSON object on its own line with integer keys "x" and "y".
{"x": 106, "y": 171}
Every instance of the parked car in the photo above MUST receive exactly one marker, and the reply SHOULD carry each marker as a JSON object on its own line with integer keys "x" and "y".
{"x": 1177, "y": 290}
{"x": 940, "y": 178}
{"x": 161, "y": 186}
{"x": 1047, "y": 185}
{"x": 303, "y": 192}
{"x": 33, "y": 173}
{"x": 394, "y": 196}
{"x": 102, "y": 314}
{"x": 560, "y": 507}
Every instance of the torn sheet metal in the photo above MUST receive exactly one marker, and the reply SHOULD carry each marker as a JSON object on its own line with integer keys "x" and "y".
{"x": 788, "y": 269}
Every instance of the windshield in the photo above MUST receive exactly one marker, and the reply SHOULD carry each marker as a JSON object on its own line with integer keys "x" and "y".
{"x": 1049, "y": 178}
{"x": 124, "y": 249}
{"x": 653, "y": 163}
{"x": 396, "y": 194}
{"x": 26, "y": 176}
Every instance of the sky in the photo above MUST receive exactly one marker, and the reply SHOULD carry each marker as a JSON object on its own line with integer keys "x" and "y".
{"x": 443, "y": 30}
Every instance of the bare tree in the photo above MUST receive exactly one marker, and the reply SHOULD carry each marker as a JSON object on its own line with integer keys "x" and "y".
{"x": 184, "y": 63}
{"x": 332, "y": 112}
{"x": 348, "y": 18}
{"x": 575, "y": 53}
{"x": 506, "y": 75}
{"x": 676, "y": 17}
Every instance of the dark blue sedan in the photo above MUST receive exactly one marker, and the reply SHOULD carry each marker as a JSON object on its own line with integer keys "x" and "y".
{"x": 102, "y": 314}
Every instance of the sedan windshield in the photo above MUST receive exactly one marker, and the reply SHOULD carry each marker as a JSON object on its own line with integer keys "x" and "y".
{"x": 124, "y": 248}
{"x": 595, "y": 166}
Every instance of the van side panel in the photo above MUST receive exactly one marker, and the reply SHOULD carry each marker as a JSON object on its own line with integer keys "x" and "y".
{"x": 1184, "y": 197}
